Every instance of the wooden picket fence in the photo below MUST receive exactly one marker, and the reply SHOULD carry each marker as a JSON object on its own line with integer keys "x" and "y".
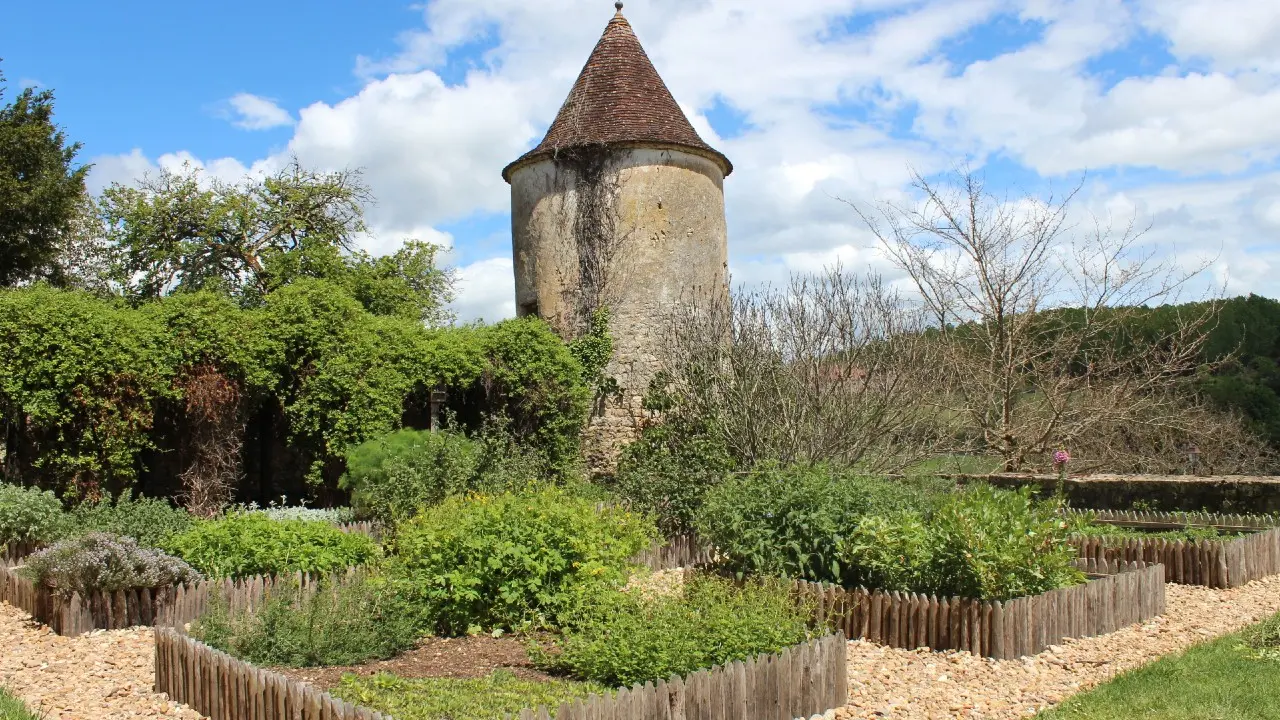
{"x": 13, "y": 552}
{"x": 1222, "y": 563}
{"x": 221, "y": 687}
{"x": 1149, "y": 520}
{"x": 167, "y": 606}
{"x": 1226, "y": 563}
{"x": 681, "y": 551}
{"x": 800, "y": 681}
{"x": 15, "y": 589}
{"x": 1126, "y": 593}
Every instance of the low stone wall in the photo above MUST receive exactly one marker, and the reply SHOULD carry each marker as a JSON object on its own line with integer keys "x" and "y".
{"x": 1191, "y": 493}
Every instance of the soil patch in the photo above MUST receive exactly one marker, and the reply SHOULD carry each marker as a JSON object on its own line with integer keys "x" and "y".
{"x": 464, "y": 657}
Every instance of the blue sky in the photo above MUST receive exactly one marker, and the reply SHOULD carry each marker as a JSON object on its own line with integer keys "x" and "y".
{"x": 1169, "y": 106}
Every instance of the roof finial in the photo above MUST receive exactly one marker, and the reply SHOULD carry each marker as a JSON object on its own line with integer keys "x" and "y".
{"x": 618, "y": 6}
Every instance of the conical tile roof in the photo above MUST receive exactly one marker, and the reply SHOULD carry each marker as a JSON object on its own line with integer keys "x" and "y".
{"x": 619, "y": 99}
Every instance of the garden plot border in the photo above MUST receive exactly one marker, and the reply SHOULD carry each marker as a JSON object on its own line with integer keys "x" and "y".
{"x": 680, "y": 551}
{"x": 13, "y": 552}
{"x": 121, "y": 609}
{"x": 1225, "y": 563}
{"x": 222, "y": 687}
{"x": 181, "y": 604}
{"x": 800, "y": 681}
{"x": 1126, "y": 593}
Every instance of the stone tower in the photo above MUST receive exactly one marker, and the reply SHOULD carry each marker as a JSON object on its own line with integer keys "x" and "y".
{"x": 620, "y": 206}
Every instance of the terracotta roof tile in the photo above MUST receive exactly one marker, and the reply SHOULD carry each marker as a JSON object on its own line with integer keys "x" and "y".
{"x": 619, "y": 98}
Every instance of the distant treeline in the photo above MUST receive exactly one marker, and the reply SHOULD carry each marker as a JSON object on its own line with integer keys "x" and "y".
{"x": 1240, "y": 355}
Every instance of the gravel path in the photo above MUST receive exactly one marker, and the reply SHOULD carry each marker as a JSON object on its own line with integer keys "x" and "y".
{"x": 104, "y": 675}
{"x": 910, "y": 685}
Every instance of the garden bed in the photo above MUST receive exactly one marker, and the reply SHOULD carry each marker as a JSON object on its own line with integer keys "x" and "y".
{"x": 799, "y": 681}
{"x": 474, "y": 656}
{"x": 1118, "y": 595}
{"x": 1250, "y": 553}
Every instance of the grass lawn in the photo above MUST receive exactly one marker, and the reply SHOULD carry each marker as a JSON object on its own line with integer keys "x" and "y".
{"x": 956, "y": 464}
{"x": 11, "y": 708}
{"x": 1213, "y": 681}
{"x": 458, "y": 699}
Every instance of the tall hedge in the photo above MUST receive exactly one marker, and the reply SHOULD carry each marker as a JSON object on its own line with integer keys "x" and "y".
{"x": 83, "y": 379}
{"x": 79, "y": 380}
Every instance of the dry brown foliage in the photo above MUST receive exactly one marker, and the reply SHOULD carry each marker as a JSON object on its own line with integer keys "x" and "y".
{"x": 1033, "y": 321}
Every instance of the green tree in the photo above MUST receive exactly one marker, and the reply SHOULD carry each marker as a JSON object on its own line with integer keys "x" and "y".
{"x": 41, "y": 188}
{"x": 176, "y": 232}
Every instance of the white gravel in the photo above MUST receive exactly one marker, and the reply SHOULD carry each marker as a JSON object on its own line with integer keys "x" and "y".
{"x": 104, "y": 675}
{"x": 910, "y": 685}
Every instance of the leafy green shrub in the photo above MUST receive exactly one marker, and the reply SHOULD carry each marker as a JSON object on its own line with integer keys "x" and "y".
{"x": 498, "y": 695}
{"x": 102, "y": 561}
{"x": 393, "y": 477}
{"x": 982, "y": 543}
{"x": 241, "y": 544}
{"x": 621, "y": 638}
{"x": 998, "y": 544}
{"x": 84, "y": 375}
{"x": 889, "y": 552}
{"x": 510, "y": 560}
{"x": 89, "y": 375}
{"x": 11, "y": 708}
{"x": 668, "y": 470}
{"x": 336, "y": 623}
{"x": 150, "y": 521}
{"x": 29, "y": 515}
{"x": 783, "y": 521}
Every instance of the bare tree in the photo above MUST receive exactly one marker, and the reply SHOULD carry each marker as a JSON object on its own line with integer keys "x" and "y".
{"x": 1035, "y": 320}
{"x": 831, "y": 368}
{"x": 1195, "y": 439}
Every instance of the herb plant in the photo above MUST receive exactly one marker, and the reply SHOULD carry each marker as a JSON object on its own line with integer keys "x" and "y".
{"x": 102, "y": 561}
{"x": 250, "y": 543}
{"x": 510, "y": 561}
{"x": 29, "y": 515}
{"x": 342, "y": 622}
{"x": 623, "y": 638}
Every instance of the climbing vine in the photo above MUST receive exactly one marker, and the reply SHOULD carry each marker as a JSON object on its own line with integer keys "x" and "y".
{"x": 85, "y": 383}
{"x": 594, "y": 229}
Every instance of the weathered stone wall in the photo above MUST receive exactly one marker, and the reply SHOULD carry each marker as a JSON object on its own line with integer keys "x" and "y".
{"x": 1166, "y": 493}
{"x": 661, "y": 242}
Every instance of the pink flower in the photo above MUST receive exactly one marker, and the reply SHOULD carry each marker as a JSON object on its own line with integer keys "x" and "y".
{"x": 1061, "y": 457}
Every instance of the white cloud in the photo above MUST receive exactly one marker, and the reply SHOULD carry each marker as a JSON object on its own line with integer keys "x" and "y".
{"x": 1040, "y": 104}
{"x": 432, "y": 151}
{"x": 486, "y": 290}
{"x": 257, "y": 113}
{"x": 1230, "y": 34}
{"x": 124, "y": 169}
{"x": 1235, "y": 223}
